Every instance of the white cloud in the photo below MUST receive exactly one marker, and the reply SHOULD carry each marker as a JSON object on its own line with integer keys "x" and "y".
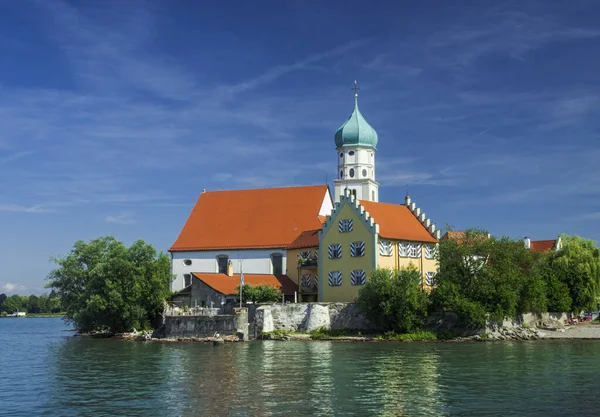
{"x": 121, "y": 218}
{"x": 23, "y": 209}
{"x": 9, "y": 287}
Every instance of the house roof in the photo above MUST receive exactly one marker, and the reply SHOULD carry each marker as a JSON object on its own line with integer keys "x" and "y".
{"x": 257, "y": 218}
{"x": 397, "y": 222}
{"x": 306, "y": 239}
{"x": 542, "y": 245}
{"x": 227, "y": 285}
{"x": 453, "y": 235}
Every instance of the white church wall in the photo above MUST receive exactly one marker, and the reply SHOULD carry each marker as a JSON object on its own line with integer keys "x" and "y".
{"x": 255, "y": 261}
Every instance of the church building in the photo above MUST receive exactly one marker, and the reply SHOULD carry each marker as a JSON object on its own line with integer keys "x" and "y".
{"x": 318, "y": 248}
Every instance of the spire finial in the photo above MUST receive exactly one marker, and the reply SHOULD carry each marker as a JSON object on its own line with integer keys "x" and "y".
{"x": 355, "y": 88}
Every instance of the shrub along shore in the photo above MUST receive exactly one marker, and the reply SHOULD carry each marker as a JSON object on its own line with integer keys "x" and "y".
{"x": 481, "y": 279}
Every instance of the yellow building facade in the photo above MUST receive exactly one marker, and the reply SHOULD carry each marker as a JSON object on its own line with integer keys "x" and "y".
{"x": 354, "y": 241}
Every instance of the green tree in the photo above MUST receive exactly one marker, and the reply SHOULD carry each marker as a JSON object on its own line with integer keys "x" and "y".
{"x": 394, "y": 299}
{"x": 33, "y": 304}
{"x": 577, "y": 265}
{"x": 104, "y": 285}
{"x": 13, "y": 304}
{"x": 482, "y": 276}
{"x": 2, "y": 298}
{"x": 260, "y": 293}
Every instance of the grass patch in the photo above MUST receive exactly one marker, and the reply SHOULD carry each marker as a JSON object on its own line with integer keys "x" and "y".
{"x": 415, "y": 336}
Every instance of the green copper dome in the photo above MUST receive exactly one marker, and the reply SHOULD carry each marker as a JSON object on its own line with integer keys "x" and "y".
{"x": 356, "y": 131}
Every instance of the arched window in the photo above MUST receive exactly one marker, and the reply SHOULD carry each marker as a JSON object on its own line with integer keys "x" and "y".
{"x": 187, "y": 280}
{"x": 277, "y": 263}
{"x": 222, "y": 261}
{"x": 351, "y": 153}
{"x": 342, "y": 155}
{"x": 364, "y": 172}
{"x": 342, "y": 174}
{"x": 351, "y": 172}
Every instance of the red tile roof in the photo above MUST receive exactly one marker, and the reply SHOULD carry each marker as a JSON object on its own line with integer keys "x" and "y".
{"x": 227, "y": 285}
{"x": 258, "y": 218}
{"x": 542, "y": 245}
{"x": 397, "y": 222}
{"x": 306, "y": 239}
{"x": 453, "y": 235}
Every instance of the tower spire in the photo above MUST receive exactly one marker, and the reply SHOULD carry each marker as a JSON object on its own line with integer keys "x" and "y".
{"x": 355, "y": 88}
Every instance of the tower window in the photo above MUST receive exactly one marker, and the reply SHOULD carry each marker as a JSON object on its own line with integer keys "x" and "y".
{"x": 364, "y": 172}
{"x": 342, "y": 155}
{"x": 351, "y": 153}
{"x": 351, "y": 172}
{"x": 373, "y": 195}
{"x": 342, "y": 174}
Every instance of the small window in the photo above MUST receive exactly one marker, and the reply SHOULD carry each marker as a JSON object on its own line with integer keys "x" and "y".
{"x": 342, "y": 174}
{"x": 358, "y": 277}
{"x": 430, "y": 251}
{"x": 187, "y": 280}
{"x": 335, "y": 278}
{"x": 364, "y": 172}
{"x": 357, "y": 249}
{"x": 342, "y": 155}
{"x": 277, "y": 263}
{"x": 345, "y": 225}
{"x": 414, "y": 250}
{"x": 430, "y": 278}
{"x": 222, "y": 262}
{"x": 351, "y": 153}
{"x": 403, "y": 249}
{"x": 187, "y": 262}
{"x": 351, "y": 172}
{"x": 334, "y": 251}
{"x": 386, "y": 248}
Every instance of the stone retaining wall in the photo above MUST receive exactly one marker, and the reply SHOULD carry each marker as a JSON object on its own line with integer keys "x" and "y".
{"x": 307, "y": 317}
{"x": 207, "y": 326}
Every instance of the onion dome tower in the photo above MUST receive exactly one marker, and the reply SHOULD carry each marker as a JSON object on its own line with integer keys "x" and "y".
{"x": 356, "y": 142}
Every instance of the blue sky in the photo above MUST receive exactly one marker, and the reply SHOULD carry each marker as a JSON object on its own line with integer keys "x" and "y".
{"x": 114, "y": 115}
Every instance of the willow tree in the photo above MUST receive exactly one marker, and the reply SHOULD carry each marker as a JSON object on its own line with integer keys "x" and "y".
{"x": 577, "y": 266}
{"x": 104, "y": 285}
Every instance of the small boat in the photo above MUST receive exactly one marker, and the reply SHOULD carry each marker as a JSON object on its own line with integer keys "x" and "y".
{"x": 18, "y": 314}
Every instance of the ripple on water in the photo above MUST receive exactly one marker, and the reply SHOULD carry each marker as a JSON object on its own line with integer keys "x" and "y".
{"x": 45, "y": 371}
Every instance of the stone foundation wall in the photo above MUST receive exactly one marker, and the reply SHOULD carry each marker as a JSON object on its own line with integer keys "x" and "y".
{"x": 307, "y": 317}
{"x": 207, "y": 326}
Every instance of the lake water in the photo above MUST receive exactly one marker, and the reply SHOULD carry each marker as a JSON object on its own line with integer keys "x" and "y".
{"x": 44, "y": 371}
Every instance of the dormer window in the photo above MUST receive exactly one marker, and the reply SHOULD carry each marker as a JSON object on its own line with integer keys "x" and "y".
{"x": 222, "y": 262}
{"x": 277, "y": 263}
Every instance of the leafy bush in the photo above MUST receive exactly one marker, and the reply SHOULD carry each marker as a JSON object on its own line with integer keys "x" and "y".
{"x": 394, "y": 299}
{"x": 260, "y": 293}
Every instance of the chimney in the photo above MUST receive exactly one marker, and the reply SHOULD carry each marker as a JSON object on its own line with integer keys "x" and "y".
{"x": 527, "y": 242}
{"x": 230, "y": 269}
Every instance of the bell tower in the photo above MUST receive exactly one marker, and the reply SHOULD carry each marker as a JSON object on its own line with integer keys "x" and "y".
{"x": 356, "y": 143}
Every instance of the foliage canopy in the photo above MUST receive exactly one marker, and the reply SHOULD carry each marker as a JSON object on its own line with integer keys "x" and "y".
{"x": 105, "y": 285}
{"x": 260, "y": 293}
{"x": 394, "y": 299}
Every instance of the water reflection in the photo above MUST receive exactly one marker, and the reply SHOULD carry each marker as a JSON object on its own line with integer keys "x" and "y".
{"x": 55, "y": 375}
